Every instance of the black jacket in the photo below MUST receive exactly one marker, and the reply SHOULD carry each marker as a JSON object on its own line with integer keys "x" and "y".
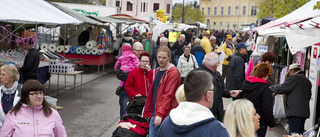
{"x": 298, "y": 93}
{"x": 178, "y": 48}
{"x": 30, "y": 64}
{"x": 236, "y": 72}
{"x": 219, "y": 92}
{"x": 257, "y": 91}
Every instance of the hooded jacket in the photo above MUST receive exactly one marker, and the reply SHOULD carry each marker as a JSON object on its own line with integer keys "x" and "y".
{"x": 191, "y": 120}
{"x": 31, "y": 122}
{"x": 257, "y": 91}
{"x": 236, "y": 72}
{"x": 139, "y": 81}
{"x": 205, "y": 43}
{"x": 128, "y": 61}
{"x": 166, "y": 100}
{"x": 228, "y": 51}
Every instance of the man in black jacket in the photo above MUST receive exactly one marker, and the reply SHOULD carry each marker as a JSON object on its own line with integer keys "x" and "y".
{"x": 29, "y": 69}
{"x": 236, "y": 72}
{"x": 210, "y": 64}
{"x": 298, "y": 94}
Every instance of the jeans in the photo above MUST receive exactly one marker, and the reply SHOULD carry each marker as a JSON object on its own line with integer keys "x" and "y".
{"x": 261, "y": 132}
{"x": 153, "y": 130}
{"x": 176, "y": 60}
{"x": 296, "y": 124}
{"x": 123, "y": 102}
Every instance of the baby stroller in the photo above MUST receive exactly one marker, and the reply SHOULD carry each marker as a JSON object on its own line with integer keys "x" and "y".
{"x": 133, "y": 124}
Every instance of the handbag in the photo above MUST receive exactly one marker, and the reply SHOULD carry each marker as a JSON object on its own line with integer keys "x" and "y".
{"x": 194, "y": 65}
{"x": 278, "y": 107}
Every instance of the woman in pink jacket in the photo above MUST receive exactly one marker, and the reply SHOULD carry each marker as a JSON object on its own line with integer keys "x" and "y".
{"x": 32, "y": 116}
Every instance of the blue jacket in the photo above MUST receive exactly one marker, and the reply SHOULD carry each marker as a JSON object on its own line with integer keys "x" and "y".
{"x": 191, "y": 120}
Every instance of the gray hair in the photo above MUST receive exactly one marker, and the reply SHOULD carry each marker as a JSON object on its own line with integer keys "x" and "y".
{"x": 182, "y": 35}
{"x": 212, "y": 37}
{"x": 162, "y": 39}
{"x": 211, "y": 59}
{"x": 197, "y": 41}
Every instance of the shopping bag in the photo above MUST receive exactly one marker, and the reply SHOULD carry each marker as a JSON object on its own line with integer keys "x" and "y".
{"x": 278, "y": 107}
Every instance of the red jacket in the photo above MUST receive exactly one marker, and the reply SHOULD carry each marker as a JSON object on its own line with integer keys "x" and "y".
{"x": 139, "y": 81}
{"x": 166, "y": 100}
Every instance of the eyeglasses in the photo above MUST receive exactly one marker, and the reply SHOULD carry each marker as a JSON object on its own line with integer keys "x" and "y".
{"x": 209, "y": 90}
{"x": 36, "y": 93}
{"x": 139, "y": 50}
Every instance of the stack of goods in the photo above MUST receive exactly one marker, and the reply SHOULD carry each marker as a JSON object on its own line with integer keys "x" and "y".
{"x": 91, "y": 48}
{"x": 12, "y": 56}
{"x": 49, "y": 55}
{"x": 57, "y": 66}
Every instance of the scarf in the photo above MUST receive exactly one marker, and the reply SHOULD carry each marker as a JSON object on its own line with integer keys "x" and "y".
{"x": 11, "y": 90}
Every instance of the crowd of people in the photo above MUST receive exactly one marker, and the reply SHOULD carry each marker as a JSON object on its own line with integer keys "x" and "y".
{"x": 184, "y": 89}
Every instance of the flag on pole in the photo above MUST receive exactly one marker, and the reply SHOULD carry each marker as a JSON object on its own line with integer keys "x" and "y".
{"x": 160, "y": 13}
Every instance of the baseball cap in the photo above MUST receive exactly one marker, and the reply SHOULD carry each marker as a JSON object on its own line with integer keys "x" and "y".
{"x": 293, "y": 66}
{"x": 207, "y": 32}
{"x": 241, "y": 45}
{"x": 229, "y": 37}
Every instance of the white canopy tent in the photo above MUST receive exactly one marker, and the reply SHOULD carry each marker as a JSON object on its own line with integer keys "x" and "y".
{"x": 303, "y": 13}
{"x": 33, "y": 12}
{"x": 161, "y": 27}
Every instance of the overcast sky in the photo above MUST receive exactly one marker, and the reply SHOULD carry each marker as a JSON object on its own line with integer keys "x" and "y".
{"x": 185, "y": 1}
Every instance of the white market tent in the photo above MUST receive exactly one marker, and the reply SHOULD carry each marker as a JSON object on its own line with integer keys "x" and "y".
{"x": 279, "y": 27}
{"x": 33, "y": 12}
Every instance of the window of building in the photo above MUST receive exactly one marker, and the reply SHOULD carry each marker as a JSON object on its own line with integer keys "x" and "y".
{"x": 215, "y": 11}
{"x": 214, "y": 25}
{"x": 236, "y": 10}
{"x": 221, "y": 13}
{"x": 208, "y": 10}
{"x": 155, "y": 6}
{"x": 253, "y": 10}
{"x": 228, "y": 25}
{"x": 143, "y": 7}
{"x": 220, "y": 27}
{"x": 168, "y": 8}
{"x": 229, "y": 10}
{"x": 129, "y": 6}
{"x": 244, "y": 10}
{"x": 118, "y": 4}
{"x": 208, "y": 23}
{"x": 202, "y": 10}
{"x": 234, "y": 25}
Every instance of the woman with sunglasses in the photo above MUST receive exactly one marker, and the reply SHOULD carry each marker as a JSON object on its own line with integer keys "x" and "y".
{"x": 32, "y": 115}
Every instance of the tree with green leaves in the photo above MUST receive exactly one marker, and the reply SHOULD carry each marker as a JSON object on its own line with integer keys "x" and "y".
{"x": 279, "y": 8}
{"x": 191, "y": 14}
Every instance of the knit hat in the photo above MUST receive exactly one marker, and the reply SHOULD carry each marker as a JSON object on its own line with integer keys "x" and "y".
{"x": 126, "y": 47}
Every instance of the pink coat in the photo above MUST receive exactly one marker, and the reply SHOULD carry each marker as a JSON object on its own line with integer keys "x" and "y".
{"x": 128, "y": 61}
{"x": 31, "y": 122}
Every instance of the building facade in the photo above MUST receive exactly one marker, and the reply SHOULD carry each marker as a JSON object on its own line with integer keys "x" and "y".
{"x": 229, "y": 14}
{"x": 143, "y": 9}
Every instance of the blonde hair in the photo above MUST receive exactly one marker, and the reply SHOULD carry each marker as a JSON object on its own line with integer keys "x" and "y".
{"x": 12, "y": 71}
{"x": 180, "y": 95}
{"x": 238, "y": 119}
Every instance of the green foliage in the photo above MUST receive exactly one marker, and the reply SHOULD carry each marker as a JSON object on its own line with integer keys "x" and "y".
{"x": 317, "y": 6}
{"x": 191, "y": 14}
{"x": 279, "y": 8}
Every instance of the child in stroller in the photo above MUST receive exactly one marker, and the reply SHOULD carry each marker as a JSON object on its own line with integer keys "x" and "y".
{"x": 133, "y": 124}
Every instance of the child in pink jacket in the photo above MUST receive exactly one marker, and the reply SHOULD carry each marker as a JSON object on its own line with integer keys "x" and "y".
{"x": 128, "y": 61}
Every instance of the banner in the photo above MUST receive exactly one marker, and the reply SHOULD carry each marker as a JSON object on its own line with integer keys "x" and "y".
{"x": 160, "y": 13}
{"x": 164, "y": 19}
{"x": 172, "y": 36}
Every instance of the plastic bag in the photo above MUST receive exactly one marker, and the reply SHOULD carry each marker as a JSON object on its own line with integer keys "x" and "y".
{"x": 278, "y": 107}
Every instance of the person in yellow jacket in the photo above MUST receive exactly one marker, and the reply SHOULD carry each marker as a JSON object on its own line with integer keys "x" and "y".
{"x": 228, "y": 48}
{"x": 205, "y": 43}
{"x": 214, "y": 46}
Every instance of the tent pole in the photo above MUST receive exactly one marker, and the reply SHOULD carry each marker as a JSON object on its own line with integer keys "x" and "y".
{"x": 64, "y": 39}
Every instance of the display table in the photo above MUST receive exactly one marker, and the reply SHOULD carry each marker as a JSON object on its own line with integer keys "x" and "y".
{"x": 74, "y": 74}
{"x": 98, "y": 60}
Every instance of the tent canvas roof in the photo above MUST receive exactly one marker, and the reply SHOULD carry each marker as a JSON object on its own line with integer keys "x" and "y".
{"x": 33, "y": 12}
{"x": 113, "y": 20}
{"x": 76, "y": 15}
{"x": 127, "y": 17}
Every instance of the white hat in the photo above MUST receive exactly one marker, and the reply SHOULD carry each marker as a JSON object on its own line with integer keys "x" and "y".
{"x": 292, "y": 66}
